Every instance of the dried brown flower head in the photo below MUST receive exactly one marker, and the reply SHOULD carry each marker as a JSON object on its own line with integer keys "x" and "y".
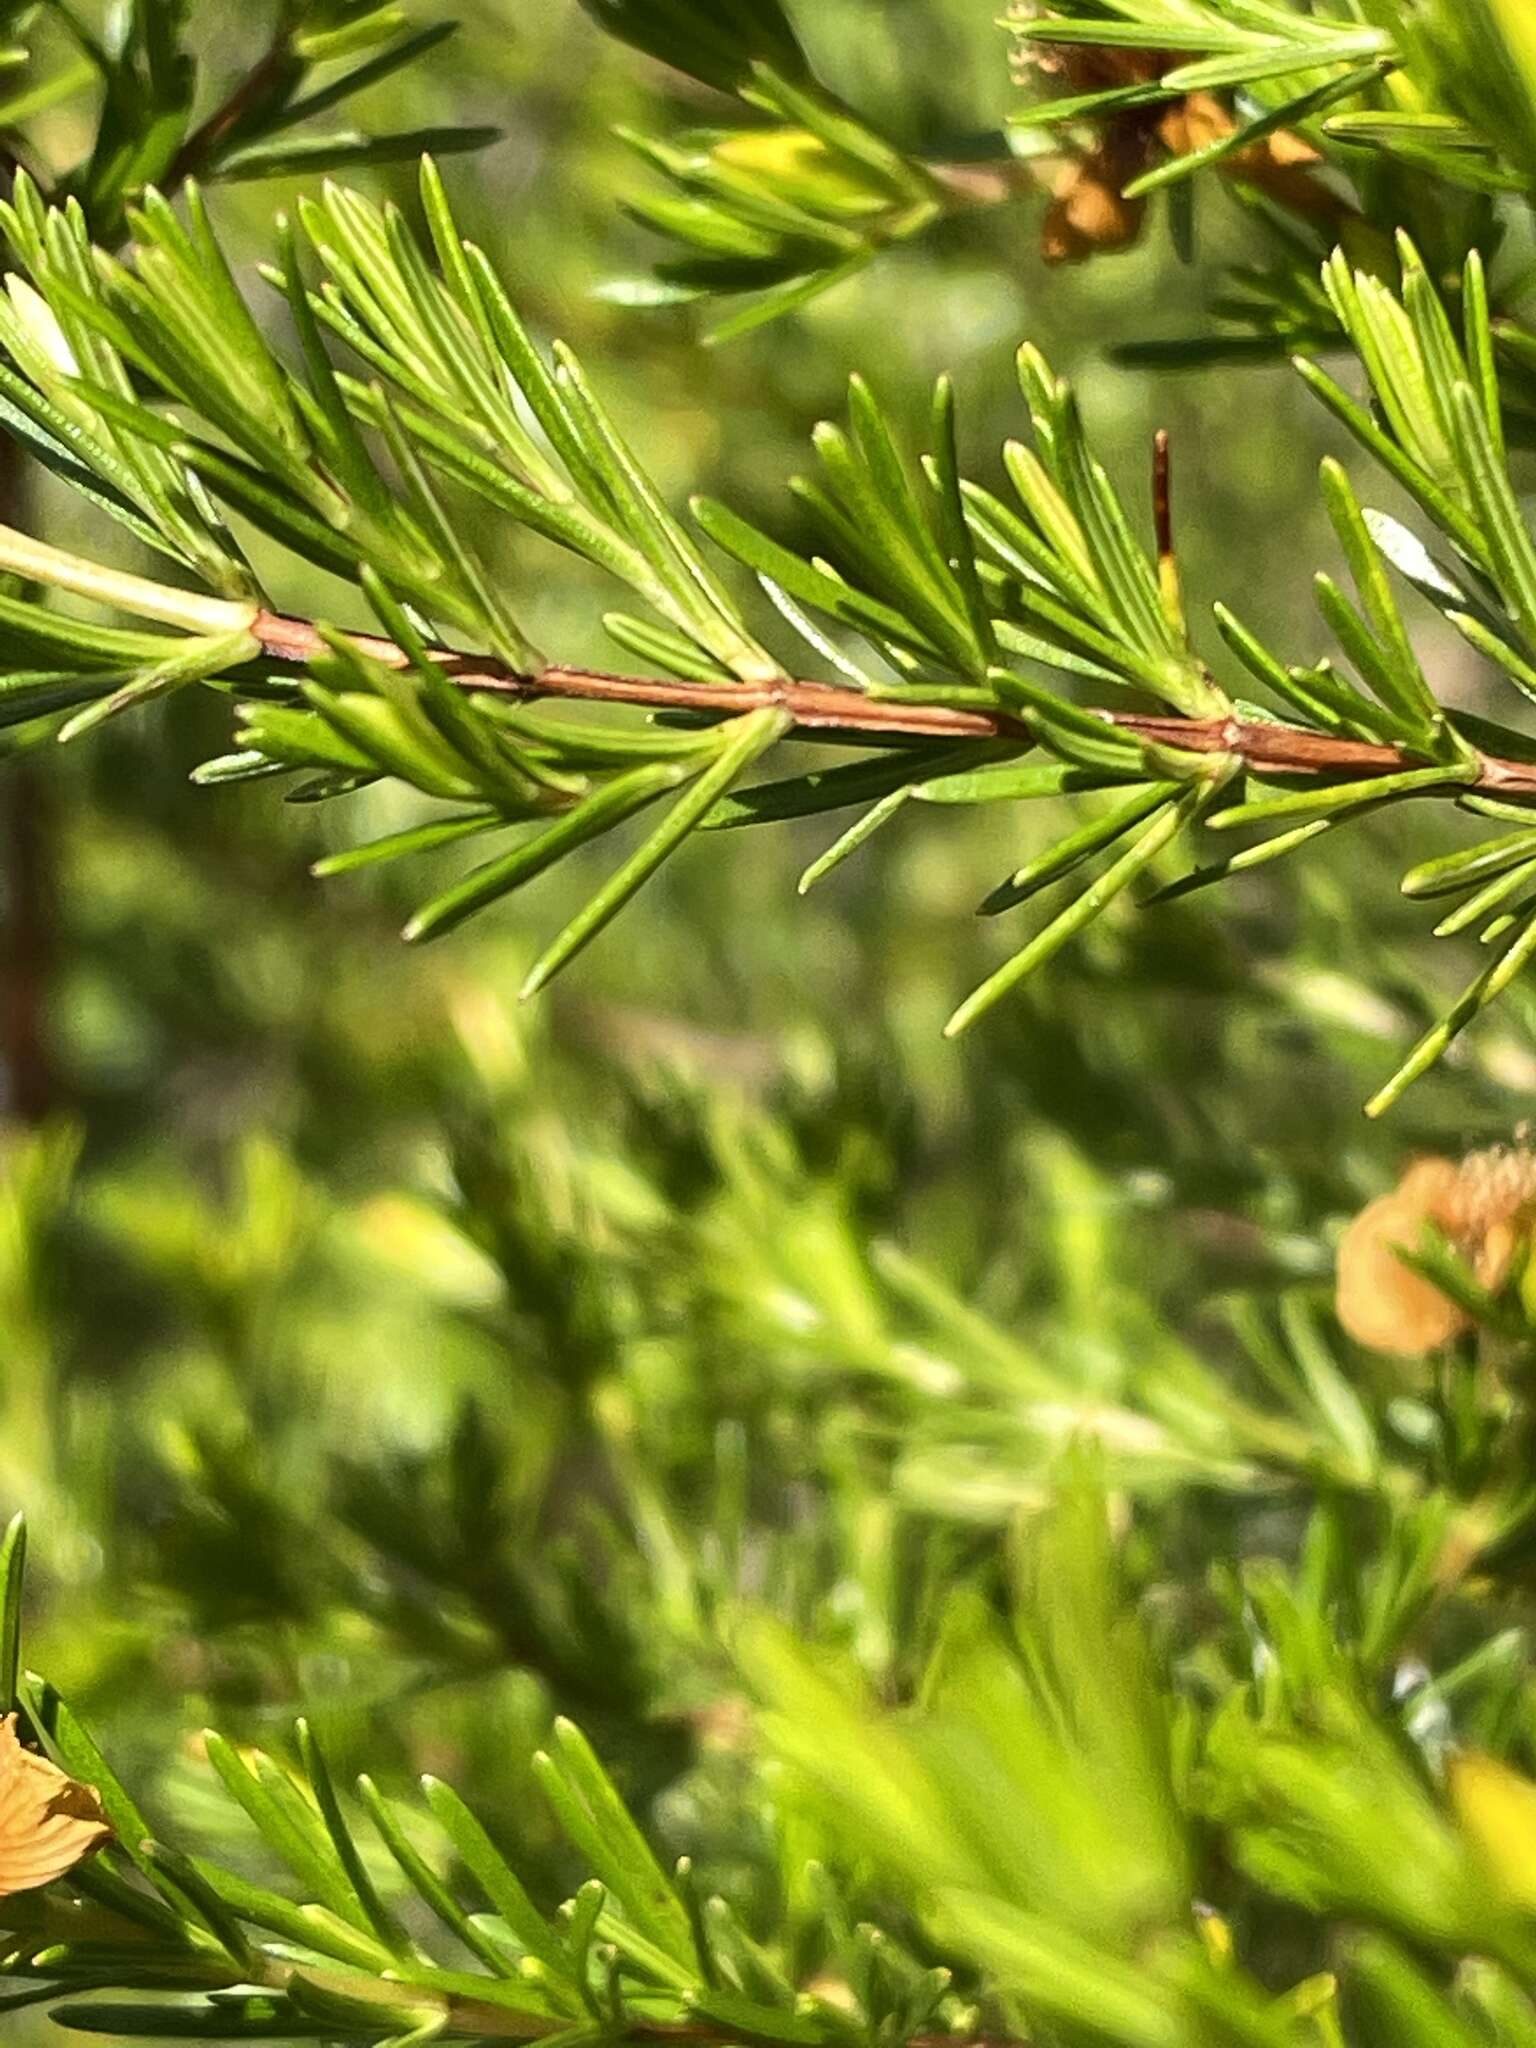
{"x": 1089, "y": 213}
{"x": 49, "y": 1821}
{"x": 1481, "y": 1205}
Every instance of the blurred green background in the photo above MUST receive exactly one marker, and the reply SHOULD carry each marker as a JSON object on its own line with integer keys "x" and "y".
{"x": 374, "y": 1345}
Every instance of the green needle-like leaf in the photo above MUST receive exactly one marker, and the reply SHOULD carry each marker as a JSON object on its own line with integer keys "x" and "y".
{"x": 747, "y": 738}
{"x": 596, "y": 814}
{"x": 1166, "y": 825}
{"x": 13, "y": 1566}
{"x": 1489, "y": 985}
{"x": 494, "y": 1876}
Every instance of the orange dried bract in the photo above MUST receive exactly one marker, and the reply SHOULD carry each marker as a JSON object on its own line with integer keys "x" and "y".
{"x": 1194, "y": 123}
{"x": 49, "y": 1821}
{"x": 1089, "y": 215}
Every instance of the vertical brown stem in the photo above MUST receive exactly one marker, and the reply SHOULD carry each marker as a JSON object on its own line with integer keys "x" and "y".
{"x": 1169, "y": 582}
{"x": 1162, "y": 494}
{"x": 28, "y": 927}
{"x": 30, "y": 955}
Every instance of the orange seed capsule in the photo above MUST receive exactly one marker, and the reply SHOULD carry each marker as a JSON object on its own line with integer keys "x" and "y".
{"x": 1480, "y": 1205}
{"x": 1382, "y": 1303}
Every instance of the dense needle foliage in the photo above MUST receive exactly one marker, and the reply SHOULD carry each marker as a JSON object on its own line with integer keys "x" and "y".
{"x": 701, "y": 1509}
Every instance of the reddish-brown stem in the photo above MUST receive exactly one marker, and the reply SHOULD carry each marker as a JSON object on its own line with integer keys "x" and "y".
{"x": 224, "y": 123}
{"x": 821, "y": 707}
